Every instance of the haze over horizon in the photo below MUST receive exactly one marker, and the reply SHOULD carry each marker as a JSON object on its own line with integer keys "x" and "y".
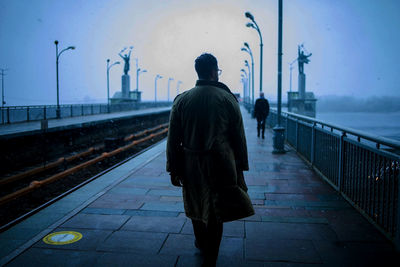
{"x": 354, "y": 45}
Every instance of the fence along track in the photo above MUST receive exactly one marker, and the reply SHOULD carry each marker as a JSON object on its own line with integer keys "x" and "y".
{"x": 37, "y": 184}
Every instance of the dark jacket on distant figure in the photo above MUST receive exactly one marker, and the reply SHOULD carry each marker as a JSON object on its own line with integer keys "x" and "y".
{"x": 207, "y": 146}
{"x": 261, "y": 108}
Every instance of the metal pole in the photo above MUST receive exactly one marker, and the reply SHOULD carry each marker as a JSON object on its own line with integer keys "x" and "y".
{"x": 280, "y": 63}
{"x": 108, "y": 86}
{"x": 155, "y": 89}
{"x": 58, "y": 115}
{"x": 279, "y": 131}
{"x": 252, "y": 78}
{"x": 137, "y": 76}
{"x": 2, "y": 95}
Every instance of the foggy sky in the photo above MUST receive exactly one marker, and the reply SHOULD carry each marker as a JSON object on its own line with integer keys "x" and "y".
{"x": 354, "y": 45}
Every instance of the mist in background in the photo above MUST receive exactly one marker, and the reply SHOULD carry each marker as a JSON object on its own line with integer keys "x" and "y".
{"x": 354, "y": 46}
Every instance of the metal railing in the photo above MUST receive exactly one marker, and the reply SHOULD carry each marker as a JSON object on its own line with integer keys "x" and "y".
{"x": 15, "y": 114}
{"x": 363, "y": 167}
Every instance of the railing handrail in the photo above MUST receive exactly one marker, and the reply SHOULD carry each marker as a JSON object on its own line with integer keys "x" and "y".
{"x": 361, "y": 134}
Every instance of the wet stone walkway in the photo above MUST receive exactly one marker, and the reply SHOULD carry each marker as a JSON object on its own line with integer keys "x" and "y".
{"x": 300, "y": 221}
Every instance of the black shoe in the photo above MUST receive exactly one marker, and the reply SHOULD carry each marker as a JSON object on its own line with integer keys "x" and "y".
{"x": 263, "y": 137}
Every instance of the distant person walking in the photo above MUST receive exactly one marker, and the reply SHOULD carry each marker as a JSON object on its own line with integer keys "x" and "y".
{"x": 261, "y": 111}
{"x": 206, "y": 155}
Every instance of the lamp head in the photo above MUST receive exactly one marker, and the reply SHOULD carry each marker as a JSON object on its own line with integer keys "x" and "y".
{"x": 108, "y": 60}
{"x": 246, "y": 62}
{"x": 250, "y": 25}
{"x": 243, "y": 70}
{"x": 71, "y": 47}
{"x": 249, "y": 15}
{"x": 246, "y": 45}
{"x": 56, "y": 42}
{"x": 117, "y": 62}
{"x": 144, "y": 70}
{"x": 243, "y": 49}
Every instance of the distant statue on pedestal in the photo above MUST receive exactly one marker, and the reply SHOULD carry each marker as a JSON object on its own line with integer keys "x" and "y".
{"x": 302, "y": 58}
{"x": 126, "y": 59}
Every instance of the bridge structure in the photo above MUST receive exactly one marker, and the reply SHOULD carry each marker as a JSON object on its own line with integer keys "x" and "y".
{"x": 331, "y": 199}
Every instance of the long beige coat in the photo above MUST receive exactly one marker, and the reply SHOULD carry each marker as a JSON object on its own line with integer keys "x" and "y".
{"x": 207, "y": 148}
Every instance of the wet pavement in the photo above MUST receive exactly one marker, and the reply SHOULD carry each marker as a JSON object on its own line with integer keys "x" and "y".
{"x": 134, "y": 217}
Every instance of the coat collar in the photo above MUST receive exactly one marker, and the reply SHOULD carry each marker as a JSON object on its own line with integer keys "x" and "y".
{"x": 215, "y": 84}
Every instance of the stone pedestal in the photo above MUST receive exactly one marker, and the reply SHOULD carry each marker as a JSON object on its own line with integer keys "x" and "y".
{"x": 126, "y": 85}
{"x": 302, "y": 86}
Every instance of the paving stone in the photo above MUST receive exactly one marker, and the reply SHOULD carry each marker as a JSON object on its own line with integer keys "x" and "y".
{"x": 166, "y": 192}
{"x": 134, "y": 259}
{"x": 129, "y": 190}
{"x": 90, "y": 240}
{"x": 291, "y": 197}
{"x": 300, "y": 251}
{"x": 327, "y": 204}
{"x": 294, "y": 219}
{"x": 173, "y": 199}
{"x": 179, "y": 244}
{"x": 137, "y": 242}
{"x": 156, "y": 213}
{"x": 163, "y": 206}
{"x": 357, "y": 232}
{"x": 103, "y": 211}
{"x": 357, "y": 253}
{"x": 96, "y": 221}
{"x": 283, "y": 212}
{"x": 55, "y": 257}
{"x": 154, "y": 224}
{"x": 272, "y": 230}
{"x": 19, "y": 233}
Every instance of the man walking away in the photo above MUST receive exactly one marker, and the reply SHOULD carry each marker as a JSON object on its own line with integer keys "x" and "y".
{"x": 261, "y": 111}
{"x": 206, "y": 155}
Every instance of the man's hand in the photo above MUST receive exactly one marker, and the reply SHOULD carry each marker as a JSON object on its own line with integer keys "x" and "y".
{"x": 176, "y": 180}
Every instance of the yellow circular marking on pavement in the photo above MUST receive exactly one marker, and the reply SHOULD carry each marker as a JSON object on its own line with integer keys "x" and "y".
{"x": 62, "y": 238}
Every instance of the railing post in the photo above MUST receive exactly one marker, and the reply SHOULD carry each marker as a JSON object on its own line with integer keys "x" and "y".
{"x": 82, "y": 110}
{"x": 313, "y": 144}
{"x": 44, "y": 112}
{"x": 297, "y": 134}
{"x": 27, "y": 113}
{"x": 72, "y": 110}
{"x": 341, "y": 161}
{"x": 91, "y": 109}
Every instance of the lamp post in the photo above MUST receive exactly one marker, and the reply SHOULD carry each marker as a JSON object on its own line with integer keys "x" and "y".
{"x": 58, "y": 113}
{"x": 108, "y": 82}
{"x": 246, "y": 77}
{"x": 169, "y": 81}
{"x": 248, "y": 50}
{"x": 255, "y": 26}
{"x": 279, "y": 131}
{"x": 243, "y": 80}
{"x": 158, "y": 76}
{"x": 246, "y": 63}
{"x": 2, "y": 94}
{"x": 138, "y": 71}
{"x": 177, "y": 87}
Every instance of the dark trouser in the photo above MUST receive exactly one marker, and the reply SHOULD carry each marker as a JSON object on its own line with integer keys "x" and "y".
{"x": 260, "y": 126}
{"x": 208, "y": 238}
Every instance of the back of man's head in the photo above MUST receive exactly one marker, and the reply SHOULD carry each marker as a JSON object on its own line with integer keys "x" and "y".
{"x": 262, "y": 94}
{"x": 204, "y": 65}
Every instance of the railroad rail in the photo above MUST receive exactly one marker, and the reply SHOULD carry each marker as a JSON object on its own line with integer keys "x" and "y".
{"x": 132, "y": 139}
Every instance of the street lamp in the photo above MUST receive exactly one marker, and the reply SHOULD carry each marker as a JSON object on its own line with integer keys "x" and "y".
{"x": 58, "y": 113}
{"x": 158, "y": 76}
{"x": 248, "y": 50}
{"x": 138, "y": 71}
{"x": 177, "y": 87}
{"x": 169, "y": 81}
{"x": 108, "y": 82}
{"x": 243, "y": 80}
{"x": 246, "y": 63}
{"x": 255, "y": 26}
{"x": 245, "y": 91}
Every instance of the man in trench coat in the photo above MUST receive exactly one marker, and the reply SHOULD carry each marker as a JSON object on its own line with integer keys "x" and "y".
{"x": 207, "y": 154}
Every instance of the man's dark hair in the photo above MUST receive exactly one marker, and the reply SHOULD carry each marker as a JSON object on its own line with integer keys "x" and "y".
{"x": 205, "y": 64}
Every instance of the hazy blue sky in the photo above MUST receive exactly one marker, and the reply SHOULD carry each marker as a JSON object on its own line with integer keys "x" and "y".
{"x": 354, "y": 44}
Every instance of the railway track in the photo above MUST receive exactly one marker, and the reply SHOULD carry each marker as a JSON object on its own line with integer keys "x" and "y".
{"x": 25, "y": 193}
